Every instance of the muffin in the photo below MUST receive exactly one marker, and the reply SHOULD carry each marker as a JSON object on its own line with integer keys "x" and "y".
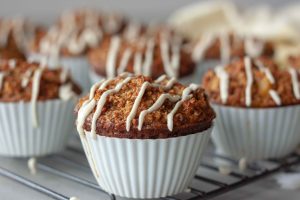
{"x": 36, "y": 104}
{"x": 153, "y": 52}
{"x": 68, "y": 41}
{"x": 214, "y": 49}
{"x": 15, "y": 35}
{"x": 141, "y": 128}
{"x": 257, "y": 105}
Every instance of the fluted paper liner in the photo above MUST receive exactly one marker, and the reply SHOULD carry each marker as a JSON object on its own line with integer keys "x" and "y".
{"x": 19, "y": 138}
{"x": 256, "y": 133}
{"x": 145, "y": 168}
{"x": 78, "y": 66}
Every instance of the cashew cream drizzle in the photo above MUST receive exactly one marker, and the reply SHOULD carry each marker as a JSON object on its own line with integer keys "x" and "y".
{"x": 35, "y": 93}
{"x": 200, "y": 48}
{"x": 137, "y": 67}
{"x": 12, "y": 63}
{"x": 247, "y": 63}
{"x": 225, "y": 48}
{"x": 26, "y": 78}
{"x": 274, "y": 95}
{"x": 2, "y": 75}
{"x": 148, "y": 57}
{"x": 124, "y": 60}
{"x": 89, "y": 105}
{"x": 224, "y": 82}
{"x": 112, "y": 56}
{"x": 158, "y": 103}
{"x": 185, "y": 96}
{"x": 295, "y": 83}
{"x": 133, "y": 30}
{"x": 253, "y": 48}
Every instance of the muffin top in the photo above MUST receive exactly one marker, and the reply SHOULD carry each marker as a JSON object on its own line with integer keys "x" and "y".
{"x": 150, "y": 52}
{"x": 294, "y": 61}
{"x": 76, "y": 32}
{"x": 15, "y": 35}
{"x": 23, "y": 81}
{"x": 255, "y": 83}
{"x": 225, "y": 46}
{"x": 136, "y": 106}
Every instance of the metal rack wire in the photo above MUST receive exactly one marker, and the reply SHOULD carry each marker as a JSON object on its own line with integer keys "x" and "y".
{"x": 204, "y": 186}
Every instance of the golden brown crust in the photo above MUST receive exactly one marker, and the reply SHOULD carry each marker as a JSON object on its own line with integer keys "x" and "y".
{"x": 13, "y": 91}
{"x": 194, "y": 115}
{"x": 261, "y": 86}
{"x": 98, "y": 57}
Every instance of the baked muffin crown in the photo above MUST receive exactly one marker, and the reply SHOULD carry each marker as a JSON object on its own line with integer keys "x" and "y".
{"x": 250, "y": 82}
{"x": 23, "y": 81}
{"x": 227, "y": 45}
{"x": 153, "y": 54}
{"x": 131, "y": 106}
{"x": 76, "y": 32}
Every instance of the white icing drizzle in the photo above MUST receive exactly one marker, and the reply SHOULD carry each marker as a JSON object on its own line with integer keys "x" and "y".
{"x": 133, "y": 30}
{"x": 102, "y": 101}
{"x": 264, "y": 69}
{"x": 160, "y": 79}
{"x": 275, "y": 97}
{"x": 175, "y": 60}
{"x": 12, "y": 63}
{"x": 242, "y": 164}
{"x": 158, "y": 103}
{"x": 94, "y": 88}
{"x": 201, "y": 47}
{"x": 83, "y": 112}
{"x": 31, "y": 163}
{"x": 253, "y": 48}
{"x": 164, "y": 47}
{"x": 34, "y": 95}
{"x": 170, "y": 83}
{"x": 185, "y": 96}
{"x": 112, "y": 55}
{"x": 247, "y": 63}
{"x": 295, "y": 83}
{"x": 224, "y": 82}
{"x": 225, "y": 48}
{"x": 66, "y": 92}
{"x": 136, "y": 104}
{"x": 26, "y": 78}
{"x": 64, "y": 75}
{"x": 137, "y": 66}
{"x": 124, "y": 60}
{"x": 148, "y": 57}
{"x": 2, "y": 75}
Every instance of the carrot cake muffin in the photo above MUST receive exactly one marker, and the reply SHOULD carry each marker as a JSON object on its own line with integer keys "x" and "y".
{"x": 148, "y": 122}
{"x": 39, "y": 101}
{"x": 226, "y": 46}
{"x": 151, "y": 54}
{"x": 257, "y": 105}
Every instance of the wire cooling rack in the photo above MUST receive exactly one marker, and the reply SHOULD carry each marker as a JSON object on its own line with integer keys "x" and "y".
{"x": 67, "y": 174}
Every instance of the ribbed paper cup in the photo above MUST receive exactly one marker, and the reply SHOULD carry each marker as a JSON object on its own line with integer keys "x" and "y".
{"x": 145, "y": 168}
{"x": 256, "y": 133}
{"x": 19, "y": 138}
{"x": 78, "y": 66}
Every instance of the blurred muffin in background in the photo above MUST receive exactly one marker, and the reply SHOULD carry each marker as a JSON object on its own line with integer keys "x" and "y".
{"x": 67, "y": 41}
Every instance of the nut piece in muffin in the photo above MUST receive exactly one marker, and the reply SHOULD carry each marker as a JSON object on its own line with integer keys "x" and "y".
{"x": 76, "y": 32}
{"x": 139, "y": 107}
{"x": 152, "y": 52}
{"x": 256, "y": 83}
{"x": 227, "y": 45}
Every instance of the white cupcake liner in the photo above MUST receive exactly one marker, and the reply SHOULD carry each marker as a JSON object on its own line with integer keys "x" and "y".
{"x": 78, "y": 66}
{"x": 256, "y": 133}
{"x": 145, "y": 168}
{"x": 18, "y": 136}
